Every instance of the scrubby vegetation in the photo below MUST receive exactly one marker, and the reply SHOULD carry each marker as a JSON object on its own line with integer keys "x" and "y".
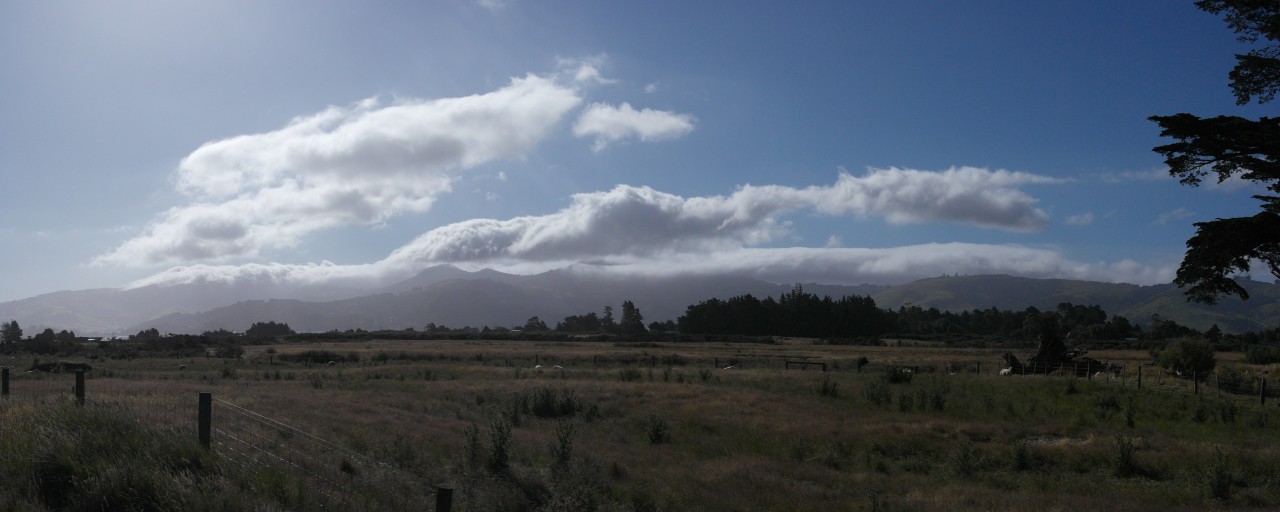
{"x": 621, "y": 427}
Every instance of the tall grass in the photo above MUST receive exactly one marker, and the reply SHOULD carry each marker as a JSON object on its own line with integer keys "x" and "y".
{"x": 598, "y": 437}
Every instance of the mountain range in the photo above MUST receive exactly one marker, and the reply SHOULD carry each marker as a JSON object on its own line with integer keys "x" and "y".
{"x": 449, "y": 296}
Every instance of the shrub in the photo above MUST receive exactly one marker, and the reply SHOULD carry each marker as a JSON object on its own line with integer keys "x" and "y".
{"x": 877, "y": 393}
{"x": 657, "y": 429}
{"x": 550, "y": 403}
{"x": 1188, "y": 357}
{"x": 1217, "y": 476}
{"x": 1258, "y": 354}
{"x": 629, "y": 375}
{"x": 471, "y": 444}
{"x": 1122, "y": 463}
{"x": 562, "y": 449}
{"x": 499, "y": 444}
{"x": 828, "y": 387}
{"x": 898, "y": 375}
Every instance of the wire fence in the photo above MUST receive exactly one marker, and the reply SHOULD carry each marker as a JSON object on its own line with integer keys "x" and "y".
{"x": 336, "y": 477}
{"x": 343, "y": 478}
{"x": 331, "y": 476}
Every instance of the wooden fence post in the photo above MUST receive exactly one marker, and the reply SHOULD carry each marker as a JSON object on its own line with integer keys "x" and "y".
{"x": 205, "y": 418}
{"x": 4, "y": 382}
{"x": 444, "y": 499}
{"x": 80, "y": 387}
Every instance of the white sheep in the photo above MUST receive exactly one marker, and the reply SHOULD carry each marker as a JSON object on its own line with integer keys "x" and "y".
{"x": 558, "y": 367}
{"x": 331, "y": 363}
{"x": 1005, "y": 372}
{"x": 182, "y": 367}
{"x": 537, "y": 367}
{"x": 730, "y": 367}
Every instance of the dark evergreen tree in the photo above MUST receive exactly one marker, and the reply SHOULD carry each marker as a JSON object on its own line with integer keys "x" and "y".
{"x": 607, "y": 323}
{"x": 632, "y": 321}
{"x": 10, "y": 332}
{"x": 268, "y": 329}
{"x": 535, "y": 324}
{"x": 580, "y": 323}
{"x": 1232, "y": 146}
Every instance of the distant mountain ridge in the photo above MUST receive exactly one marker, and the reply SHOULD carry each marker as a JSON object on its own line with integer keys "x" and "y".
{"x": 446, "y": 295}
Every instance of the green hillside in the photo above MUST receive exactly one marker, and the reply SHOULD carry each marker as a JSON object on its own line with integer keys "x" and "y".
{"x": 1137, "y": 303}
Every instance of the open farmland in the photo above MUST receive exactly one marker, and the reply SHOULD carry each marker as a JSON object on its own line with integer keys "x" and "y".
{"x": 626, "y": 426}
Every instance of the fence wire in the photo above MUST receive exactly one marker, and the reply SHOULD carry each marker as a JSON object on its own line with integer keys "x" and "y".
{"x": 344, "y": 479}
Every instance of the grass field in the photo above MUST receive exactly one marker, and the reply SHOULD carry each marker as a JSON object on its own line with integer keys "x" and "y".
{"x": 630, "y": 427}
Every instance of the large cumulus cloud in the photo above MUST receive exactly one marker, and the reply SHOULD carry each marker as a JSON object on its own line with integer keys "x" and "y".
{"x": 642, "y": 221}
{"x": 639, "y": 230}
{"x": 344, "y": 165}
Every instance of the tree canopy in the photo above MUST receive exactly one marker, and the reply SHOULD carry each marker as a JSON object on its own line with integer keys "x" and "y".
{"x": 10, "y": 332}
{"x": 1232, "y": 146}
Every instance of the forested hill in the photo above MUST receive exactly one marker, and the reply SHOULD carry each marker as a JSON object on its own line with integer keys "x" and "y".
{"x": 1137, "y": 303}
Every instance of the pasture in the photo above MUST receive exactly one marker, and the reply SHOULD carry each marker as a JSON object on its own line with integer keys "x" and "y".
{"x": 634, "y": 427}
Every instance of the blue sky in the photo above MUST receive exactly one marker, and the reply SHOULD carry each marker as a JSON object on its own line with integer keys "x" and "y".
{"x": 155, "y": 142}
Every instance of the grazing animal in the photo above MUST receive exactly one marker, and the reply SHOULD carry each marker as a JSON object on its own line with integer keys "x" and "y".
{"x": 537, "y": 367}
{"x": 1005, "y": 372}
{"x": 730, "y": 367}
{"x": 558, "y": 367}
{"x": 331, "y": 363}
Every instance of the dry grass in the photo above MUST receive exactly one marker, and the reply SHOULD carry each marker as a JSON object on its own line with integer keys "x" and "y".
{"x": 755, "y": 437}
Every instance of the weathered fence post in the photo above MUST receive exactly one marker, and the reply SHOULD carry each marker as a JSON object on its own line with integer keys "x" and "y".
{"x": 444, "y": 499}
{"x": 4, "y": 382}
{"x": 80, "y": 387}
{"x": 205, "y": 418}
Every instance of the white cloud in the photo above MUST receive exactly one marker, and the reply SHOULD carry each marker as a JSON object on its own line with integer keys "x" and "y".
{"x": 834, "y": 241}
{"x": 584, "y": 71}
{"x": 892, "y": 265}
{"x": 651, "y": 88}
{"x": 639, "y": 229}
{"x": 1083, "y": 219}
{"x": 642, "y": 221}
{"x": 1176, "y": 214}
{"x": 356, "y": 165}
{"x": 493, "y": 5}
{"x": 610, "y": 124}
{"x": 1157, "y": 174}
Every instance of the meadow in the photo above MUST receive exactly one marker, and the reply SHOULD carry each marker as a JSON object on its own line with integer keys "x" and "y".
{"x": 630, "y": 427}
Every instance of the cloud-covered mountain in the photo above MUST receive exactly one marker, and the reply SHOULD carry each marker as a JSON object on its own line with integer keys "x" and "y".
{"x": 447, "y": 295}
